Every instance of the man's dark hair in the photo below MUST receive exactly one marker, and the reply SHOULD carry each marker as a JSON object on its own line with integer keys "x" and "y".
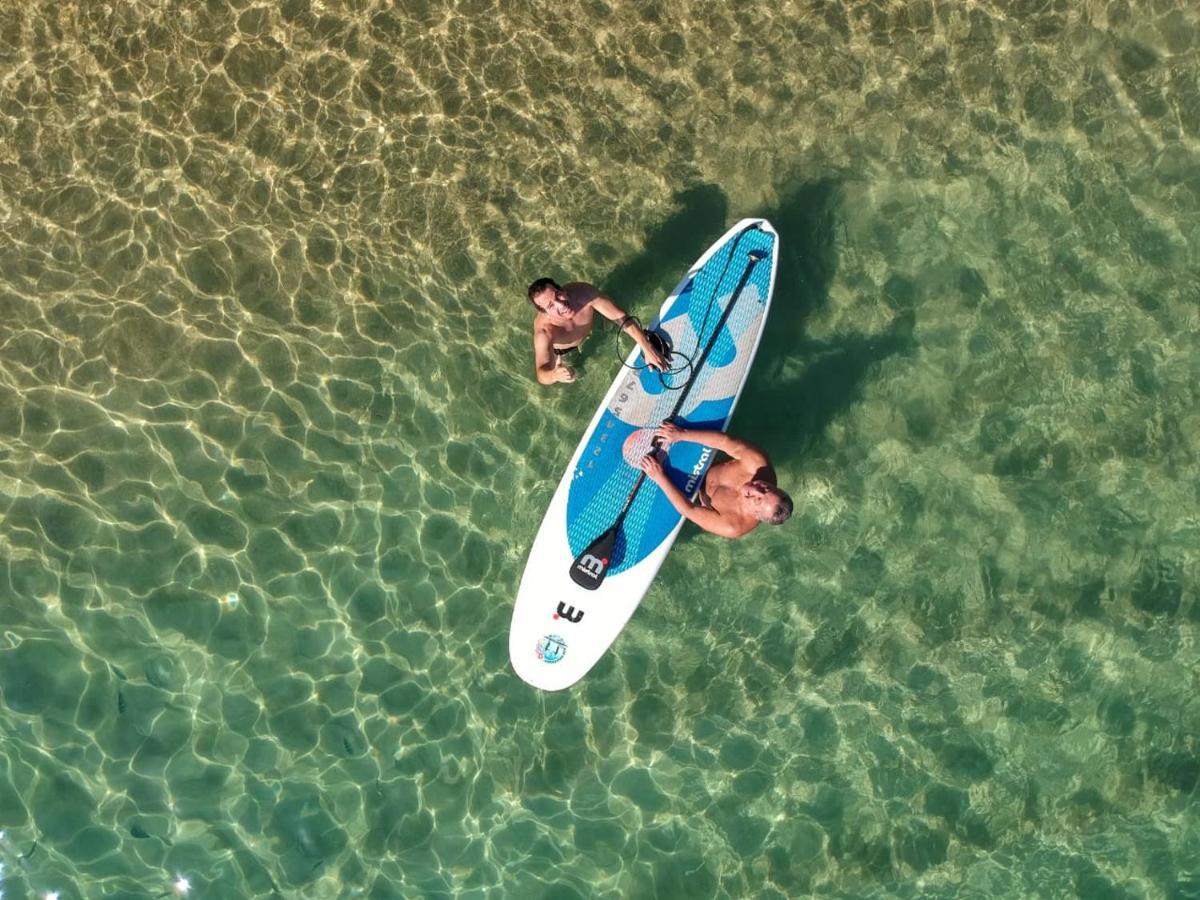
{"x": 783, "y": 509}
{"x": 540, "y": 285}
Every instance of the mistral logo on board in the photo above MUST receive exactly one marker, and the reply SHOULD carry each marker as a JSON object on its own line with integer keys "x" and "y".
{"x": 590, "y": 566}
{"x": 697, "y": 469}
{"x": 570, "y": 613}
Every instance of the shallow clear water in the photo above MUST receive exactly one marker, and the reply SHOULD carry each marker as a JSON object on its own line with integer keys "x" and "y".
{"x": 272, "y": 454}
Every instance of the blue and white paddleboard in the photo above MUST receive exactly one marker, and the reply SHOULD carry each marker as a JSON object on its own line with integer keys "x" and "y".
{"x": 559, "y": 628}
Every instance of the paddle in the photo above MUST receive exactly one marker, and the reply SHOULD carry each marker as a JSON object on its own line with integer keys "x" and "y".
{"x": 591, "y": 566}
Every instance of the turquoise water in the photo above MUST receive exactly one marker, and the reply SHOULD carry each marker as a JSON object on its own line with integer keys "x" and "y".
{"x": 272, "y": 452}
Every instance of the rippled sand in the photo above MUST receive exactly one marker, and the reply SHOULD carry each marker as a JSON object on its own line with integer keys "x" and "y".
{"x": 271, "y": 451}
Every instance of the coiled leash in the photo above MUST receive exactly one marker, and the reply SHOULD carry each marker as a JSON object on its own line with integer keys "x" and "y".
{"x": 662, "y": 343}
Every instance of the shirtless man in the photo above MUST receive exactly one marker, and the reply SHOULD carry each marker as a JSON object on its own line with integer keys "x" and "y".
{"x": 737, "y": 493}
{"x": 564, "y": 319}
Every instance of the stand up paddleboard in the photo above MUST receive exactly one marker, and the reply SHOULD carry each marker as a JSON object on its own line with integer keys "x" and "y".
{"x": 609, "y": 528}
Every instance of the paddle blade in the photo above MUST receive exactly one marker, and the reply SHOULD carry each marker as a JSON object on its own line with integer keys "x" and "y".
{"x": 591, "y": 565}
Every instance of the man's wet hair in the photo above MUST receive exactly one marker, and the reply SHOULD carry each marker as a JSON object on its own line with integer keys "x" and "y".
{"x": 783, "y": 508}
{"x": 540, "y": 285}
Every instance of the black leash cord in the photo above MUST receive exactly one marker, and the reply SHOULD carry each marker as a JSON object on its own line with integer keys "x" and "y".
{"x": 665, "y": 348}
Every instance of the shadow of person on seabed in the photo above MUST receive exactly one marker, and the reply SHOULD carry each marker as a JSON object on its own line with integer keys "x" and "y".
{"x": 789, "y": 406}
{"x": 785, "y": 407}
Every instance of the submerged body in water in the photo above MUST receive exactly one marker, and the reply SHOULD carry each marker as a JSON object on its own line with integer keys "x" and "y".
{"x": 564, "y": 319}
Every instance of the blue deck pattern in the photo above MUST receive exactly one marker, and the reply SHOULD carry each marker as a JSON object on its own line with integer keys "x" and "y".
{"x": 605, "y": 476}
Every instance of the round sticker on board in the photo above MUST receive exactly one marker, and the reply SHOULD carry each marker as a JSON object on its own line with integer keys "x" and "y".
{"x": 551, "y": 648}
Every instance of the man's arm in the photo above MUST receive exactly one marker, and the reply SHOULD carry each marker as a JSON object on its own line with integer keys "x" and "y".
{"x": 708, "y": 519}
{"x": 607, "y": 308}
{"x": 547, "y": 369}
{"x": 668, "y": 433}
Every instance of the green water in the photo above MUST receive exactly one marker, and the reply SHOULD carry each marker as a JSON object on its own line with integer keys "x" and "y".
{"x": 272, "y": 452}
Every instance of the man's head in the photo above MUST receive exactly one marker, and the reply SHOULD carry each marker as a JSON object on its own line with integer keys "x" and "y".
{"x": 547, "y": 296}
{"x": 766, "y": 502}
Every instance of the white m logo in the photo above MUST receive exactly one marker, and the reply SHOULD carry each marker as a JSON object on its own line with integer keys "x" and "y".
{"x": 590, "y": 566}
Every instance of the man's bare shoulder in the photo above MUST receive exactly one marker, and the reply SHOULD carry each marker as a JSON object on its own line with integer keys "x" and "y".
{"x": 744, "y": 527}
{"x": 734, "y": 525}
{"x": 581, "y": 292}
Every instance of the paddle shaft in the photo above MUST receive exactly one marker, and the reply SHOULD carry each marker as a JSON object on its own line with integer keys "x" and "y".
{"x": 712, "y": 341}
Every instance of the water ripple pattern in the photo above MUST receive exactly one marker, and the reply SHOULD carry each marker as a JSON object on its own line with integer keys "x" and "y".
{"x": 272, "y": 453}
